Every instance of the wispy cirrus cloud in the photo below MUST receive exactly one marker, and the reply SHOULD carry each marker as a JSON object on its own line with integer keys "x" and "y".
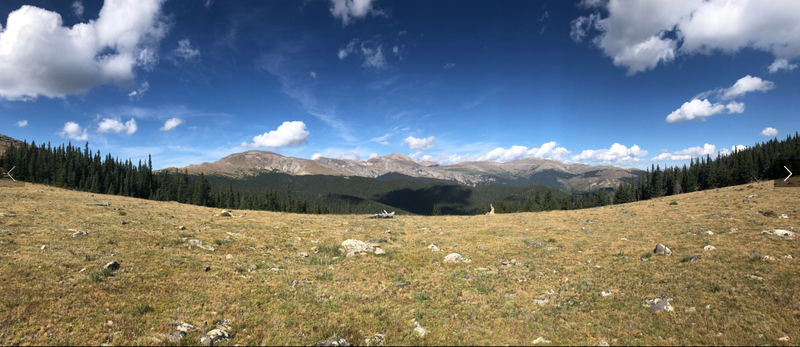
{"x": 481, "y": 98}
{"x": 295, "y": 84}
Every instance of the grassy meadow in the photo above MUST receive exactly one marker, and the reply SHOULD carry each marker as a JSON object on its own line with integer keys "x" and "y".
{"x": 53, "y": 289}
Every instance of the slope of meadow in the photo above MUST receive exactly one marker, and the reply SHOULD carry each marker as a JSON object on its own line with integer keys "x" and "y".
{"x": 272, "y": 295}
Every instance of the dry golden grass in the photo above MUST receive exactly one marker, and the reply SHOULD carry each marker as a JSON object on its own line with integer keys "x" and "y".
{"x": 276, "y": 297}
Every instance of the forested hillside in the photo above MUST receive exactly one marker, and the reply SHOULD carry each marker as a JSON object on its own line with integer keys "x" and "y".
{"x": 71, "y": 167}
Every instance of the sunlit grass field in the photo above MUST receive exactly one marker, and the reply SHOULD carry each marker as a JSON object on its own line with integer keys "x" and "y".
{"x": 53, "y": 289}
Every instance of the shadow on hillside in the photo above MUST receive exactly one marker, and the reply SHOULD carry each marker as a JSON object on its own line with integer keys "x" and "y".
{"x": 453, "y": 200}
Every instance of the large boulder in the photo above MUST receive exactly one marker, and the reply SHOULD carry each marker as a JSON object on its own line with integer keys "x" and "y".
{"x": 356, "y": 246}
{"x": 661, "y": 249}
{"x": 779, "y": 232}
{"x": 659, "y": 304}
{"x": 456, "y": 258}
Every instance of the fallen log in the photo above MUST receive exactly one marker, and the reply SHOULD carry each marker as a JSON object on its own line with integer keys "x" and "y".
{"x": 381, "y": 215}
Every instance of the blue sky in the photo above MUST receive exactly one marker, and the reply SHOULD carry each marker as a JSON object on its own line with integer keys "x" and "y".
{"x": 596, "y": 82}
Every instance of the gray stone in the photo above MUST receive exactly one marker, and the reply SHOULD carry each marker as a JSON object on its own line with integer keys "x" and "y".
{"x": 79, "y": 233}
{"x": 419, "y": 329}
{"x": 661, "y": 249}
{"x": 375, "y": 340}
{"x": 381, "y": 240}
{"x": 433, "y": 248}
{"x": 709, "y": 248}
{"x": 199, "y": 244}
{"x": 113, "y": 266}
{"x": 605, "y": 293}
{"x": 175, "y": 336}
{"x": 214, "y": 336}
{"x": 183, "y": 326}
{"x": 456, "y": 258}
{"x": 603, "y": 343}
{"x": 336, "y": 341}
{"x": 659, "y": 304}
{"x": 356, "y": 246}
{"x": 181, "y": 227}
{"x": 540, "y": 339}
{"x": 779, "y": 232}
{"x": 379, "y": 251}
{"x": 539, "y": 302}
{"x": 226, "y": 213}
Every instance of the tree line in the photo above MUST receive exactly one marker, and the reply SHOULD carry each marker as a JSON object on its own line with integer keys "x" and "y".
{"x": 72, "y": 167}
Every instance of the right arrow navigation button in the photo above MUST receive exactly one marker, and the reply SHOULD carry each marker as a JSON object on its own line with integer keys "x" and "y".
{"x": 790, "y": 174}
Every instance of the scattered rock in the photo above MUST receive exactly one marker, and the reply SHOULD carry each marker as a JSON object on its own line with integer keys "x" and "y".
{"x": 605, "y": 293}
{"x": 754, "y": 277}
{"x": 779, "y": 232}
{"x": 419, "y": 329}
{"x": 709, "y": 248}
{"x": 226, "y": 213}
{"x": 181, "y": 227}
{"x": 380, "y": 240}
{"x": 113, "y": 266}
{"x": 690, "y": 309}
{"x": 659, "y": 304}
{"x": 708, "y": 232}
{"x": 336, "y": 341}
{"x": 175, "y": 336}
{"x": 214, "y": 336}
{"x": 456, "y": 258}
{"x": 784, "y": 339}
{"x": 783, "y": 216}
{"x": 751, "y": 196}
{"x": 82, "y": 270}
{"x": 540, "y": 339}
{"x": 199, "y": 244}
{"x": 767, "y": 258}
{"x": 235, "y": 234}
{"x": 539, "y": 302}
{"x": 402, "y": 283}
{"x": 79, "y": 233}
{"x": 661, "y": 249}
{"x": 433, "y": 248}
{"x": 734, "y": 230}
{"x": 183, "y": 326}
{"x": 229, "y": 256}
{"x": 788, "y": 256}
{"x": 43, "y": 247}
{"x": 379, "y": 251}
{"x": 352, "y": 245}
{"x": 603, "y": 343}
{"x": 375, "y": 340}
{"x": 8, "y": 215}
{"x": 303, "y": 254}
{"x": 758, "y": 214}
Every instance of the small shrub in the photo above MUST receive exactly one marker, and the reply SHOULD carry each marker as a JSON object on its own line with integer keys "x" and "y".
{"x": 673, "y": 203}
{"x": 715, "y": 288}
{"x": 688, "y": 258}
{"x": 122, "y": 213}
{"x": 551, "y": 240}
{"x": 101, "y": 275}
{"x": 143, "y": 309}
{"x": 647, "y": 255}
{"x": 421, "y": 296}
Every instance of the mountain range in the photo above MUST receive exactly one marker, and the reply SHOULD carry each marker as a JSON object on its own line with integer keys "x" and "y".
{"x": 522, "y": 172}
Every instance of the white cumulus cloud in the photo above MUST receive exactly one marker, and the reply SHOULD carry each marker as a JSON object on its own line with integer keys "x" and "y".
{"x": 185, "y": 50}
{"x": 114, "y": 125}
{"x": 139, "y": 93}
{"x": 77, "y": 9}
{"x": 39, "y": 56}
{"x": 73, "y": 131}
{"x": 769, "y": 132}
{"x": 692, "y": 152}
{"x": 549, "y": 150}
{"x": 639, "y": 35}
{"x": 618, "y": 155}
{"x": 700, "y": 109}
{"x": 288, "y": 134}
{"x": 22, "y": 123}
{"x": 420, "y": 143}
{"x": 171, "y": 124}
{"x": 781, "y": 64}
{"x": 745, "y": 85}
{"x": 350, "y": 10}
{"x": 738, "y": 148}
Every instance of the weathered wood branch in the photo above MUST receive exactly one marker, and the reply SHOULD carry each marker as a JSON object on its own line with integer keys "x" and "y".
{"x": 382, "y": 215}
